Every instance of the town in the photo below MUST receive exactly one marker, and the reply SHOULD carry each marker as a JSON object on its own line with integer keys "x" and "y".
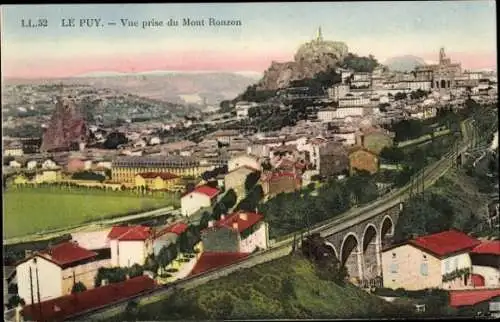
{"x": 328, "y": 167}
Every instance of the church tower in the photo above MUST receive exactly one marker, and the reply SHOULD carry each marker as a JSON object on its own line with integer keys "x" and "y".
{"x": 442, "y": 56}
{"x": 319, "y": 36}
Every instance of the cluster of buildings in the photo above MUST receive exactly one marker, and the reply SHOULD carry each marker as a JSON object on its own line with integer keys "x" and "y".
{"x": 50, "y": 276}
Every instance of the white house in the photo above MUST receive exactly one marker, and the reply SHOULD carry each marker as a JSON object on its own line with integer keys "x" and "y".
{"x": 15, "y": 150}
{"x": 130, "y": 245}
{"x": 154, "y": 141}
{"x": 243, "y": 160}
{"x": 200, "y": 197}
{"x": 432, "y": 261}
{"x": 243, "y": 232}
{"x": 52, "y": 273}
{"x": 354, "y": 101}
{"x": 327, "y": 115}
{"x": 32, "y": 164}
{"x": 338, "y": 91}
{"x": 49, "y": 164}
{"x": 242, "y": 108}
{"x": 485, "y": 260}
{"x": 15, "y": 164}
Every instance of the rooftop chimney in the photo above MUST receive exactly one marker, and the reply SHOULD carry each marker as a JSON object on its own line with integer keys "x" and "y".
{"x": 222, "y": 217}
{"x": 243, "y": 216}
{"x": 211, "y": 223}
{"x": 235, "y": 225}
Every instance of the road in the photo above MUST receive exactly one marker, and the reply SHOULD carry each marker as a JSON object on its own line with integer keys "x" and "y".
{"x": 280, "y": 249}
{"x": 95, "y": 225}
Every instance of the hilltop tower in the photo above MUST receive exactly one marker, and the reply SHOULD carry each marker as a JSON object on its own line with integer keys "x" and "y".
{"x": 319, "y": 36}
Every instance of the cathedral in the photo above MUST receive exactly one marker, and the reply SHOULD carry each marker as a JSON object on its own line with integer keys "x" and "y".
{"x": 442, "y": 75}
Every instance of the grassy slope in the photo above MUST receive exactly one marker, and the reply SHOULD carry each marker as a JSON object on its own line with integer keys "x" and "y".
{"x": 28, "y": 212}
{"x": 462, "y": 192}
{"x": 256, "y": 293}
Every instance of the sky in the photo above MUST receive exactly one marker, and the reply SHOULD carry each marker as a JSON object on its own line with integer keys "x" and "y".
{"x": 268, "y": 32}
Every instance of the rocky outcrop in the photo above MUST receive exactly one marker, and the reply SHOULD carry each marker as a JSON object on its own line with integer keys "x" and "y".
{"x": 311, "y": 58}
{"x": 66, "y": 128}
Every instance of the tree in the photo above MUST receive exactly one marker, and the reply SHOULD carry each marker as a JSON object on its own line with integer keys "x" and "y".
{"x": 15, "y": 300}
{"x": 251, "y": 180}
{"x": 400, "y": 96}
{"x": 135, "y": 270}
{"x": 360, "y": 64}
{"x": 114, "y": 139}
{"x": 392, "y": 154}
{"x": 287, "y": 289}
{"x": 222, "y": 308}
{"x": 78, "y": 288}
{"x": 229, "y": 199}
{"x": 164, "y": 257}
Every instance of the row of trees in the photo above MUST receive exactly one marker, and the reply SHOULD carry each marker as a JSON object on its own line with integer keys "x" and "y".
{"x": 360, "y": 64}
{"x": 88, "y": 175}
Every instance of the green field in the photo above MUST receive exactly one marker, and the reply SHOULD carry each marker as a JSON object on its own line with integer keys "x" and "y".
{"x": 259, "y": 293}
{"x": 30, "y": 211}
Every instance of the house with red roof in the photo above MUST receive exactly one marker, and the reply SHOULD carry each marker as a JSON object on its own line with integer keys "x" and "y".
{"x": 200, "y": 197}
{"x": 130, "y": 245}
{"x": 471, "y": 298}
{"x": 168, "y": 236}
{"x": 439, "y": 260}
{"x": 240, "y": 232}
{"x": 485, "y": 259}
{"x": 69, "y": 306}
{"x": 156, "y": 180}
{"x": 53, "y": 272}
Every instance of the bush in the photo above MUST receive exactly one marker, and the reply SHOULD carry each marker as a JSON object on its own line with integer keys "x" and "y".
{"x": 15, "y": 301}
{"x": 78, "y": 288}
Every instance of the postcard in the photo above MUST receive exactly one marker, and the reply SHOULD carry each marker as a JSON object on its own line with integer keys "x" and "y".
{"x": 218, "y": 161}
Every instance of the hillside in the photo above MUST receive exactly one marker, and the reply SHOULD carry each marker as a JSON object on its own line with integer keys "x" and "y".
{"x": 284, "y": 288}
{"x": 179, "y": 88}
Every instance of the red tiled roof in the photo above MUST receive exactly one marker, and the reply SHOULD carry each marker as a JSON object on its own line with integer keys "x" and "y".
{"x": 212, "y": 260}
{"x": 488, "y": 247}
{"x": 446, "y": 242}
{"x": 177, "y": 228}
{"x": 163, "y": 175}
{"x": 472, "y": 297}
{"x": 207, "y": 191}
{"x": 128, "y": 233}
{"x": 243, "y": 224}
{"x": 67, "y": 253}
{"x": 63, "y": 307}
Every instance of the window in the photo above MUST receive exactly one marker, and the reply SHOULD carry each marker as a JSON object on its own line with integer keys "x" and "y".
{"x": 447, "y": 266}
{"x": 393, "y": 255}
{"x": 394, "y": 268}
{"x": 424, "y": 270}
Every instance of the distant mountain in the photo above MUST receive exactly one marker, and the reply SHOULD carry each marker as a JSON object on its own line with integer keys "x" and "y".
{"x": 170, "y": 86}
{"x": 404, "y": 63}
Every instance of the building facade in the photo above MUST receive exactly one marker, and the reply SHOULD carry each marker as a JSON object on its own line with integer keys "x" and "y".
{"x": 241, "y": 232}
{"x": 434, "y": 261}
{"x": 125, "y": 169}
{"x": 200, "y": 197}
{"x": 130, "y": 245}
{"x": 157, "y": 180}
{"x": 54, "y": 272}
